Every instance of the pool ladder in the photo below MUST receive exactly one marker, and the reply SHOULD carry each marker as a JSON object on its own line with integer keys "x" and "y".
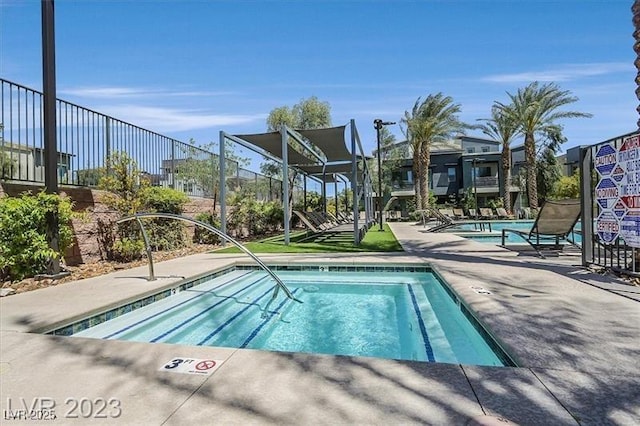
{"x": 138, "y": 216}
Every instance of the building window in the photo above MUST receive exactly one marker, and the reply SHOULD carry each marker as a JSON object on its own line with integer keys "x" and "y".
{"x": 451, "y": 172}
{"x": 484, "y": 171}
{"x": 485, "y": 149}
{"x": 471, "y": 150}
{"x": 62, "y": 173}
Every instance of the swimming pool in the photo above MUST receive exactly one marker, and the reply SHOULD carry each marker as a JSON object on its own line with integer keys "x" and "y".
{"x": 471, "y": 231}
{"x": 397, "y": 313}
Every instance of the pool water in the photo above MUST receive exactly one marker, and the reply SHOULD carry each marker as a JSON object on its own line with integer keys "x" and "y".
{"x": 496, "y": 225}
{"x": 467, "y": 230}
{"x": 397, "y": 315}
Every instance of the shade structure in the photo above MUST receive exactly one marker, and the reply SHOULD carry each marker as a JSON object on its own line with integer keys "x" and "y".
{"x": 330, "y": 141}
{"x": 320, "y": 154}
{"x": 272, "y": 143}
{"x": 329, "y": 169}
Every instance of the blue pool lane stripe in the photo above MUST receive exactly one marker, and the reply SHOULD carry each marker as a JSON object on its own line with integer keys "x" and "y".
{"x": 423, "y": 329}
{"x": 255, "y": 332}
{"x": 202, "y": 293}
{"x": 230, "y": 320}
{"x": 187, "y": 321}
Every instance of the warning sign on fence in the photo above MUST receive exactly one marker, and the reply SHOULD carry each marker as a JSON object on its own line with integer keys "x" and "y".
{"x": 629, "y": 190}
{"x": 607, "y": 226}
{"x": 607, "y": 192}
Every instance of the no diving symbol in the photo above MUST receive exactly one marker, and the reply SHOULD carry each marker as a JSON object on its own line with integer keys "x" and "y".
{"x": 205, "y": 365}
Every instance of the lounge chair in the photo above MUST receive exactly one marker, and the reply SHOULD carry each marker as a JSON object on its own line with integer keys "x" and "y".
{"x": 343, "y": 218}
{"x": 487, "y": 213}
{"x": 307, "y": 222}
{"x": 555, "y": 221}
{"x": 448, "y": 213}
{"x": 502, "y": 213}
{"x": 473, "y": 214}
{"x": 459, "y": 214}
{"x": 320, "y": 220}
{"x": 442, "y": 221}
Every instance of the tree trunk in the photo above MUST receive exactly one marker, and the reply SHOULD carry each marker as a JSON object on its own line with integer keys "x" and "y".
{"x": 506, "y": 175}
{"x": 424, "y": 179}
{"x": 530, "y": 158}
{"x": 417, "y": 173}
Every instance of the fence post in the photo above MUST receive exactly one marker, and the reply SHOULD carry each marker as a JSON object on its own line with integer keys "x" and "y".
{"x": 107, "y": 143}
{"x": 223, "y": 185}
{"x": 586, "y": 207}
{"x": 213, "y": 178}
{"x": 173, "y": 164}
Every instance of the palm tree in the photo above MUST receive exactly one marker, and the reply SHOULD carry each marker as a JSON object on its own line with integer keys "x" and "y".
{"x": 432, "y": 120}
{"x": 502, "y": 127}
{"x": 536, "y": 110}
{"x": 414, "y": 133}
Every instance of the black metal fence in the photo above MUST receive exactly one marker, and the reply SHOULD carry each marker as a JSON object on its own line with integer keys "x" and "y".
{"x": 85, "y": 138}
{"x": 608, "y": 212}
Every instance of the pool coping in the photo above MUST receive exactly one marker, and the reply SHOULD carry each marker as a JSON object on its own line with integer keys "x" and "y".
{"x": 103, "y": 314}
{"x": 556, "y": 383}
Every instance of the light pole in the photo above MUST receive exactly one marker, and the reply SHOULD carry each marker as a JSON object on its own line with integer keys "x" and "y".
{"x": 475, "y": 186}
{"x": 49, "y": 125}
{"x": 377, "y": 124}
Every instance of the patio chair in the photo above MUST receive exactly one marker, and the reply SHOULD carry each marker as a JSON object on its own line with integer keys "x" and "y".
{"x": 307, "y": 222}
{"x": 320, "y": 220}
{"x": 502, "y": 213}
{"x": 448, "y": 213}
{"x": 555, "y": 221}
{"x": 459, "y": 214}
{"x": 474, "y": 214}
{"x": 487, "y": 213}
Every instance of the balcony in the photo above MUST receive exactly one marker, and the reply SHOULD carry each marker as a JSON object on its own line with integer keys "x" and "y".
{"x": 402, "y": 189}
{"x": 487, "y": 181}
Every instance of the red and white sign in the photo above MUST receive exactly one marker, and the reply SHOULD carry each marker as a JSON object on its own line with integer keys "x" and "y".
{"x": 185, "y": 365}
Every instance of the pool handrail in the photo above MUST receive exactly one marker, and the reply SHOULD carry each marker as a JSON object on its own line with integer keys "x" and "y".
{"x": 138, "y": 216}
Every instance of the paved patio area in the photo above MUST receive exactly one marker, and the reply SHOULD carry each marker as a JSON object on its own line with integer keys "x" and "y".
{"x": 575, "y": 336}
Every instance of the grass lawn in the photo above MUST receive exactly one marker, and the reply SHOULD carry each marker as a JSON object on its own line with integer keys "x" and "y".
{"x": 374, "y": 241}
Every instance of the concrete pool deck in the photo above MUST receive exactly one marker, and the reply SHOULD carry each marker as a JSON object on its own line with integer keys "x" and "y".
{"x": 574, "y": 334}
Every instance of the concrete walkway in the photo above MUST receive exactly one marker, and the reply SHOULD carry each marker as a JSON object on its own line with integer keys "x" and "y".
{"x": 574, "y": 334}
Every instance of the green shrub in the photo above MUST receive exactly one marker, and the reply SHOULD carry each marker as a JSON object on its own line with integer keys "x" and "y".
{"x": 128, "y": 192}
{"x": 165, "y": 234}
{"x": 273, "y": 214}
{"x": 165, "y": 200}
{"x": 202, "y": 235}
{"x": 124, "y": 186}
{"x": 24, "y": 250}
{"x": 128, "y": 249}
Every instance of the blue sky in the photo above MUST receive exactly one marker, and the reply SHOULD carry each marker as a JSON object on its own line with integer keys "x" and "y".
{"x": 189, "y": 68}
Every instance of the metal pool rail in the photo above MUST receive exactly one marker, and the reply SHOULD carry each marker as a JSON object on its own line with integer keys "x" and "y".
{"x": 138, "y": 216}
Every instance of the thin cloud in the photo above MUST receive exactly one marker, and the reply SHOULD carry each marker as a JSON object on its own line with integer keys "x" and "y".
{"x": 566, "y": 72}
{"x": 160, "y": 119}
{"x": 130, "y": 92}
{"x": 103, "y": 92}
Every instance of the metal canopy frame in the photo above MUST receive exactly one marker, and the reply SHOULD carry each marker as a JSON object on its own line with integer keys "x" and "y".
{"x": 314, "y": 167}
